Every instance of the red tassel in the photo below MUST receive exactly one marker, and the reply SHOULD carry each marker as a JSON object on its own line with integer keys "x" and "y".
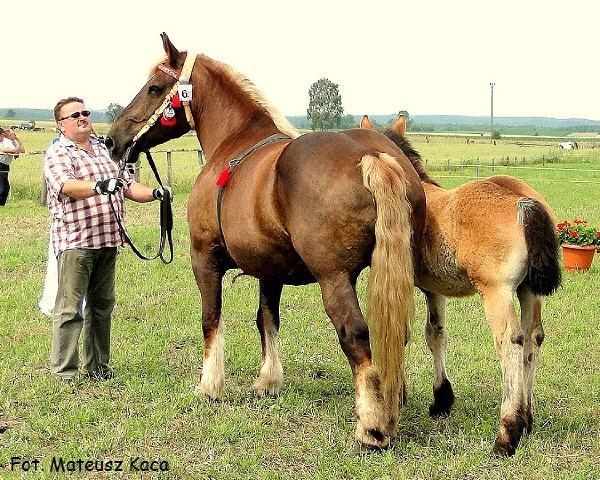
{"x": 168, "y": 122}
{"x": 176, "y": 101}
{"x": 223, "y": 177}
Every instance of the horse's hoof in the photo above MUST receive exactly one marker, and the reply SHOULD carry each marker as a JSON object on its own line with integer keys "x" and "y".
{"x": 372, "y": 438}
{"x": 212, "y": 392}
{"x": 443, "y": 399}
{"x": 266, "y": 389}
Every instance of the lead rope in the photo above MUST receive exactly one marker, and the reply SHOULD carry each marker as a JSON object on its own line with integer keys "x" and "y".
{"x": 166, "y": 219}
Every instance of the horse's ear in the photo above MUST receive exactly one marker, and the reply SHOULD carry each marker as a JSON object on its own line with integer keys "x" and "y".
{"x": 170, "y": 50}
{"x": 399, "y": 125}
{"x": 366, "y": 123}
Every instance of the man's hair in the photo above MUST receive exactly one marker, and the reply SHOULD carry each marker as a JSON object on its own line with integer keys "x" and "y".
{"x": 62, "y": 103}
{"x": 1, "y": 130}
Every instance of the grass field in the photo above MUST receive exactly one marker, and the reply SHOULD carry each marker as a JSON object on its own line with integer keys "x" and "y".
{"x": 150, "y": 411}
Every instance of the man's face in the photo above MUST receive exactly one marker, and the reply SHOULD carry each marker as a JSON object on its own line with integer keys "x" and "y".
{"x": 74, "y": 127}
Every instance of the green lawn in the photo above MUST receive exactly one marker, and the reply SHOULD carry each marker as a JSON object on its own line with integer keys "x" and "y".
{"x": 150, "y": 411}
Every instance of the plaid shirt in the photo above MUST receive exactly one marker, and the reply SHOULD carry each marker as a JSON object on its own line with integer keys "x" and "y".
{"x": 89, "y": 223}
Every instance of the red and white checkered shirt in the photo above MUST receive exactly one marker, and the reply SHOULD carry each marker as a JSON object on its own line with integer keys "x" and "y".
{"x": 89, "y": 223}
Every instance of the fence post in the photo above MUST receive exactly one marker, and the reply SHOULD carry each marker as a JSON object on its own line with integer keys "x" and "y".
{"x": 493, "y": 164}
{"x": 169, "y": 169}
{"x": 448, "y": 165}
{"x": 477, "y": 169}
{"x": 543, "y": 161}
{"x": 44, "y": 193}
{"x": 137, "y": 171}
{"x": 201, "y": 158}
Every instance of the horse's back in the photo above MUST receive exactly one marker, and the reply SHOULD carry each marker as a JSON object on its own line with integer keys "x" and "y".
{"x": 473, "y": 237}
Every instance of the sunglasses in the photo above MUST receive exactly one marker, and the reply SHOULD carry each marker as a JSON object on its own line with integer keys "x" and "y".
{"x": 74, "y": 115}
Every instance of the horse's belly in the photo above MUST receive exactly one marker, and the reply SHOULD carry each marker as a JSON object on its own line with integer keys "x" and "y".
{"x": 277, "y": 263}
{"x": 440, "y": 273}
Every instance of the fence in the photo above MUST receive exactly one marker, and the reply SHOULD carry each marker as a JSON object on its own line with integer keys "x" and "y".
{"x": 478, "y": 168}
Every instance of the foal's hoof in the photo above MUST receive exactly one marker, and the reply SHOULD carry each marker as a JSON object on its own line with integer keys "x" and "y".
{"x": 372, "y": 438}
{"x": 503, "y": 448}
{"x": 443, "y": 399}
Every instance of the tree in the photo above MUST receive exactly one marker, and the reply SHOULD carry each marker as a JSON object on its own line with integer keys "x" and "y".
{"x": 113, "y": 111}
{"x": 324, "y": 105}
{"x": 10, "y": 113}
{"x": 348, "y": 121}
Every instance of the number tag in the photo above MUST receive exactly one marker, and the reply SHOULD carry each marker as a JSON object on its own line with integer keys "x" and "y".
{"x": 185, "y": 92}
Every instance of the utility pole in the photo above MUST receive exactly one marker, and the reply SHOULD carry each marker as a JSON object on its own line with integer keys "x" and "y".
{"x": 491, "y": 111}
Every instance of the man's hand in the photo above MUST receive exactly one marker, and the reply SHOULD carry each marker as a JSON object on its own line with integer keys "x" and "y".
{"x": 110, "y": 186}
{"x": 162, "y": 192}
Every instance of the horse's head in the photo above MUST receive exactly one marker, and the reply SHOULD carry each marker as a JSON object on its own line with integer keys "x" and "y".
{"x": 156, "y": 113}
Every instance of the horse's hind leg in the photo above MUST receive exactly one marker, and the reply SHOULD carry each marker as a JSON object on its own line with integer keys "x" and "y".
{"x": 213, "y": 373}
{"x": 508, "y": 340}
{"x": 531, "y": 322}
{"x": 374, "y": 424}
{"x": 270, "y": 377}
{"x": 437, "y": 341}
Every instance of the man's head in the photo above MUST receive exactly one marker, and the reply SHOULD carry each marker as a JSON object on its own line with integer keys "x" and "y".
{"x": 72, "y": 119}
{"x": 1, "y": 132}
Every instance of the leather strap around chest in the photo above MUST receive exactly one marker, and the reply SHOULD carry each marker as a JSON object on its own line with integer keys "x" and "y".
{"x": 223, "y": 178}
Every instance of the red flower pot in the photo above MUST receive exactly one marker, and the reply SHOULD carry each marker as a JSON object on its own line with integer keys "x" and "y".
{"x": 576, "y": 258}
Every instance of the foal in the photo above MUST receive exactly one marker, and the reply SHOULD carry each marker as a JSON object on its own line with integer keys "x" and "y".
{"x": 494, "y": 237}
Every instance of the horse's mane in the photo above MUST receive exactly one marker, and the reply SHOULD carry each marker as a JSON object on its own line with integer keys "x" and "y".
{"x": 250, "y": 90}
{"x": 256, "y": 96}
{"x": 414, "y": 156}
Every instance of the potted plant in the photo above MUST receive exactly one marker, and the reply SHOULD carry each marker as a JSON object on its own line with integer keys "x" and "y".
{"x": 579, "y": 241}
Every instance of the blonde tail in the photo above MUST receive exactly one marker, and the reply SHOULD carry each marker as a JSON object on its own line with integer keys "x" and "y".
{"x": 390, "y": 303}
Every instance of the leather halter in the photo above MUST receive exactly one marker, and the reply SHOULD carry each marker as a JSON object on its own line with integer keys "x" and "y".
{"x": 233, "y": 164}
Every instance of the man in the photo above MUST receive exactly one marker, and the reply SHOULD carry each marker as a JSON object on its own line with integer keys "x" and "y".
{"x": 83, "y": 181}
{"x": 10, "y": 147}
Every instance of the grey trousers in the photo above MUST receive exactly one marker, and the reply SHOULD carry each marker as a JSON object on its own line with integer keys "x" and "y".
{"x": 91, "y": 273}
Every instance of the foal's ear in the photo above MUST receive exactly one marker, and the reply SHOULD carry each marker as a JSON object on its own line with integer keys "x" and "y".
{"x": 399, "y": 125}
{"x": 366, "y": 123}
{"x": 170, "y": 50}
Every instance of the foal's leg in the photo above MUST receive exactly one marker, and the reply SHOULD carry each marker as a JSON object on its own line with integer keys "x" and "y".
{"x": 270, "y": 377}
{"x": 508, "y": 340}
{"x": 531, "y": 321}
{"x": 374, "y": 424}
{"x": 213, "y": 374}
{"x": 437, "y": 341}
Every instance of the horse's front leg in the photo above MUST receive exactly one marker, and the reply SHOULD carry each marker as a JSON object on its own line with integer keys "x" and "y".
{"x": 437, "y": 341}
{"x": 270, "y": 378}
{"x": 209, "y": 282}
{"x": 374, "y": 422}
{"x": 508, "y": 340}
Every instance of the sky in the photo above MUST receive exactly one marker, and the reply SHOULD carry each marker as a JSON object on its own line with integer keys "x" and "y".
{"x": 426, "y": 57}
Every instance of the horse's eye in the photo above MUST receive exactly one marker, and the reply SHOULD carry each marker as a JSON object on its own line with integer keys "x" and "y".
{"x": 154, "y": 90}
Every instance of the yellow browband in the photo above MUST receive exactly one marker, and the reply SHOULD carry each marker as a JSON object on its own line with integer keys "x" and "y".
{"x": 184, "y": 78}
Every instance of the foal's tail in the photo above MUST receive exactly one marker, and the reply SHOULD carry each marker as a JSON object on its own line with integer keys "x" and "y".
{"x": 390, "y": 303}
{"x": 543, "y": 268}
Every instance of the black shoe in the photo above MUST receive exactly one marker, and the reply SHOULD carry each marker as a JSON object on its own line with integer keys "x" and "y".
{"x": 101, "y": 375}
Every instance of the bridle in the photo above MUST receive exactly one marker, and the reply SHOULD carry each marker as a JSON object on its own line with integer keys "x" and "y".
{"x": 179, "y": 95}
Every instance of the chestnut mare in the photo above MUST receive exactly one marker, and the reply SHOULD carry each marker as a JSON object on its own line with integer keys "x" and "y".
{"x": 495, "y": 237}
{"x": 298, "y": 209}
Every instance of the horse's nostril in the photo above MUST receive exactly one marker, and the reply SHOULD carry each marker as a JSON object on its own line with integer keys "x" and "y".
{"x": 109, "y": 143}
